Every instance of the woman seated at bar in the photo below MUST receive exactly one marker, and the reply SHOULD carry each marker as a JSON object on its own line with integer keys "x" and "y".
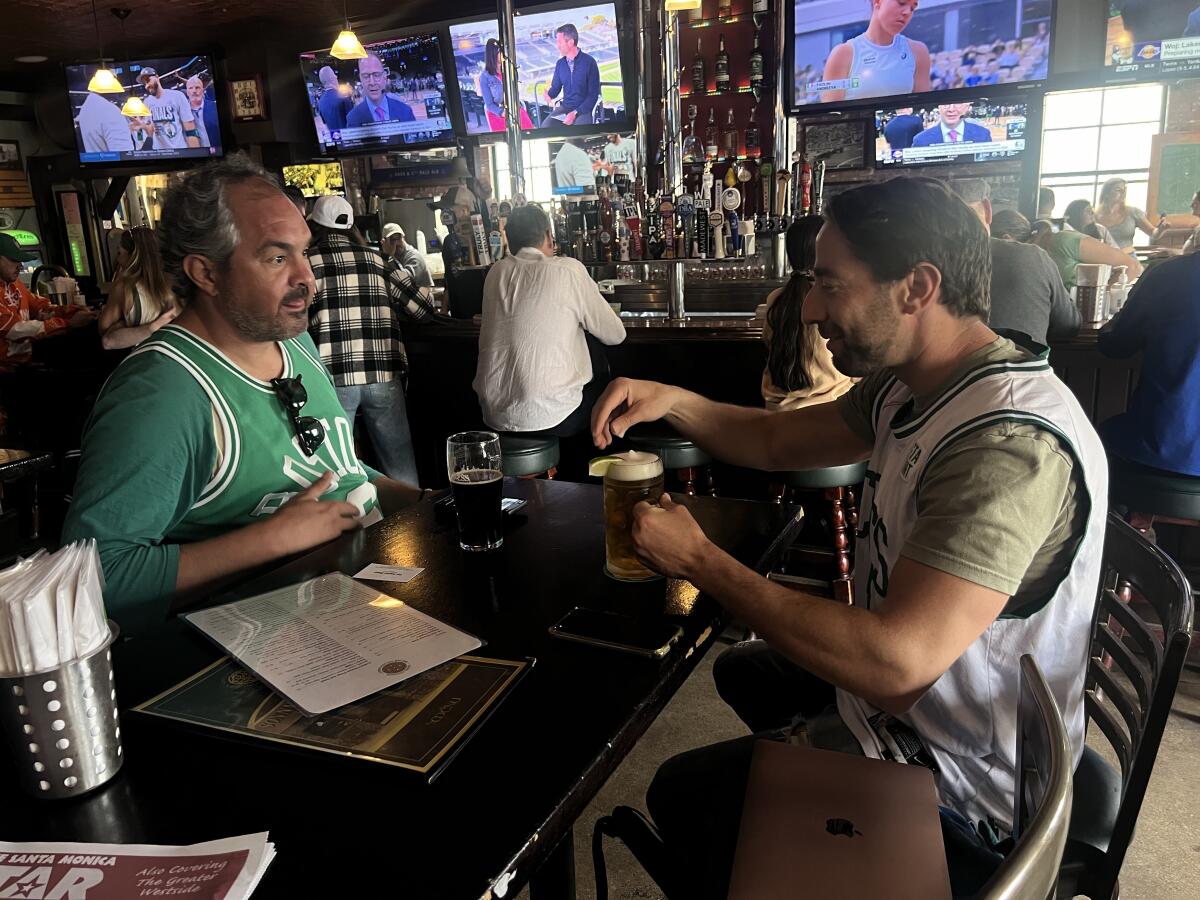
{"x": 1123, "y": 221}
{"x": 800, "y": 370}
{"x": 1070, "y": 248}
{"x": 1080, "y": 216}
{"x": 141, "y": 300}
{"x": 535, "y": 371}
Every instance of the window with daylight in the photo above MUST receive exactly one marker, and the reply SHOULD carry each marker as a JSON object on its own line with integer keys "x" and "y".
{"x": 538, "y": 187}
{"x": 1091, "y": 136}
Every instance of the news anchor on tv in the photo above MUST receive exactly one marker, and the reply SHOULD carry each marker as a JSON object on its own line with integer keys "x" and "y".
{"x": 953, "y": 128}
{"x": 377, "y": 106}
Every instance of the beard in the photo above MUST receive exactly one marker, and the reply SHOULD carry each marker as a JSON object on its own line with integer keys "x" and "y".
{"x": 255, "y": 324}
{"x": 865, "y": 348}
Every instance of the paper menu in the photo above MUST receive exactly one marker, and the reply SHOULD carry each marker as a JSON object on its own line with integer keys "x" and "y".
{"x": 330, "y": 641}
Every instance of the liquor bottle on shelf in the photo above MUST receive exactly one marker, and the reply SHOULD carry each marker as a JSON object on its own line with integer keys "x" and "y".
{"x": 729, "y": 138}
{"x": 711, "y": 148}
{"x": 607, "y": 233}
{"x": 699, "y": 71}
{"x": 693, "y": 152}
{"x": 721, "y": 68}
{"x": 757, "y": 66}
{"x": 724, "y": 8}
{"x": 753, "y": 141}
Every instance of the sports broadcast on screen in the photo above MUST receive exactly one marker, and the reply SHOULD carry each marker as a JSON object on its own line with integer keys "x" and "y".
{"x": 1153, "y": 36}
{"x": 846, "y": 50}
{"x": 950, "y": 133}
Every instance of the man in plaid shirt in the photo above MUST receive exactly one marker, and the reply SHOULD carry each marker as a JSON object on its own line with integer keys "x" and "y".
{"x": 354, "y": 321}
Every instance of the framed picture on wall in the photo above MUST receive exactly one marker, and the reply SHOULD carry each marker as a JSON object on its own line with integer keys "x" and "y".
{"x": 248, "y": 99}
{"x": 841, "y": 145}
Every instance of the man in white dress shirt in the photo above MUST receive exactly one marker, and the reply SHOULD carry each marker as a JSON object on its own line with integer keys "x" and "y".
{"x": 535, "y": 371}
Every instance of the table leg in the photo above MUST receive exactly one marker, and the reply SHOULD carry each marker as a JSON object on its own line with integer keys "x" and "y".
{"x": 555, "y": 880}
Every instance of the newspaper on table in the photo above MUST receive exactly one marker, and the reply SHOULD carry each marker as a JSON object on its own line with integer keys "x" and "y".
{"x": 228, "y": 869}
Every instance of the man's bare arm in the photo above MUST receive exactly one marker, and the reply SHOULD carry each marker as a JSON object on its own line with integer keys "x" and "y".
{"x": 806, "y": 438}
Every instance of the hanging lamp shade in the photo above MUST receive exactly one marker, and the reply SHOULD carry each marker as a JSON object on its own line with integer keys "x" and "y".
{"x": 105, "y": 82}
{"x": 134, "y": 106}
{"x": 680, "y": 5}
{"x": 347, "y": 46}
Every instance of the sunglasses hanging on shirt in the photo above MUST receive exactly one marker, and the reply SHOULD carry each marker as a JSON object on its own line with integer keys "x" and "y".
{"x": 309, "y": 430}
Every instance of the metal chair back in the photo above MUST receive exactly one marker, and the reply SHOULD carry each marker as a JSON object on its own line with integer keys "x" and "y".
{"x": 1042, "y": 810}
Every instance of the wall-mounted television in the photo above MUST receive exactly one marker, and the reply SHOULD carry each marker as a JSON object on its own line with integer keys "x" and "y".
{"x": 847, "y": 51}
{"x": 1153, "y": 37}
{"x": 569, "y": 70}
{"x": 576, "y": 161}
{"x": 181, "y": 93}
{"x": 316, "y": 179}
{"x": 395, "y": 98}
{"x": 980, "y": 131}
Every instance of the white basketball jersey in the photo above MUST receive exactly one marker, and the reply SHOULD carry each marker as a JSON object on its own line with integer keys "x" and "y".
{"x": 882, "y": 71}
{"x": 967, "y": 719}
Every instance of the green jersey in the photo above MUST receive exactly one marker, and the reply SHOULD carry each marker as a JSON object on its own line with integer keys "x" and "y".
{"x": 183, "y": 446}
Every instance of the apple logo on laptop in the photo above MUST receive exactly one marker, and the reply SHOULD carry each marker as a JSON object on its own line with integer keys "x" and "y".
{"x": 841, "y": 827}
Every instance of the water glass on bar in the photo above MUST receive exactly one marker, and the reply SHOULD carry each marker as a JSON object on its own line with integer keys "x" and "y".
{"x": 476, "y": 478}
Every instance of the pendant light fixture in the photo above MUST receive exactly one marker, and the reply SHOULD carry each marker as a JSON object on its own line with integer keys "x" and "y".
{"x": 347, "y": 46}
{"x": 103, "y": 80}
{"x": 134, "y": 105}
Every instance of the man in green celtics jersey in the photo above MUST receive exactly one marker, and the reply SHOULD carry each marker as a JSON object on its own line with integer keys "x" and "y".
{"x": 979, "y": 540}
{"x": 219, "y": 444}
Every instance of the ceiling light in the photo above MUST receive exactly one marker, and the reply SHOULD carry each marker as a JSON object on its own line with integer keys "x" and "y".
{"x": 105, "y": 82}
{"x": 134, "y": 106}
{"x": 679, "y": 5}
{"x": 347, "y": 46}
{"x": 32, "y": 59}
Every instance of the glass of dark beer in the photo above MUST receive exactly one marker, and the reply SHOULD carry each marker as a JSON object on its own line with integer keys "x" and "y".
{"x": 473, "y": 464}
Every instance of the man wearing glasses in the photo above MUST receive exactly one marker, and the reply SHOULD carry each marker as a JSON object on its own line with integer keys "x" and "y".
{"x": 377, "y": 106}
{"x": 219, "y": 444}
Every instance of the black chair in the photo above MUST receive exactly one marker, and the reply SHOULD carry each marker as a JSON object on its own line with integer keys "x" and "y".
{"x": 1132, "y": 675}
{"x": 837, "y": 483}
{"x": 1042, "y": 807}
{"x": 527, "y": 456}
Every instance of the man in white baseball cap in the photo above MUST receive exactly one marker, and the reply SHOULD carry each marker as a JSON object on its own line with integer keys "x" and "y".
{"x": 405, "y": 255}
{"x": 354, "y": 321}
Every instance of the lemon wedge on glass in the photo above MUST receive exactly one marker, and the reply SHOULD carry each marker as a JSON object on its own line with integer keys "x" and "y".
{"x": 599, "y": 466}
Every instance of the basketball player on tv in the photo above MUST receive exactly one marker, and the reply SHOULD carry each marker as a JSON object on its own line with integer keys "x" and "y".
{"x": 882, "y": 59}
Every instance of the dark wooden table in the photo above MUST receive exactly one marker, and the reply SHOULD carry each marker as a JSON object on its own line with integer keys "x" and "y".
{"x": 504, "y": 807}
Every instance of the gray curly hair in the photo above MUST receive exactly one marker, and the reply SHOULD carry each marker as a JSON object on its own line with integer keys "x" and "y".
{"x": 196, "y": 219}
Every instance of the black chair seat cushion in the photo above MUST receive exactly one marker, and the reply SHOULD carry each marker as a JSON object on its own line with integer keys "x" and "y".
{"x": 526, "y": 455}
{"x": 831, "y": 477}
{"x": 675, "y": 451}
{"x": 1147, "y": 490}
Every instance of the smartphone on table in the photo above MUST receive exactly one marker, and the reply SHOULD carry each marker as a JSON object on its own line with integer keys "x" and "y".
{"x": 647, "y": 637}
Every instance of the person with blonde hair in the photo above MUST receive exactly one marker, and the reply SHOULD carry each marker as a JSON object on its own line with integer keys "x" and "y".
{"x": 141, "y": 300}
{"x": 1123, "y": 221}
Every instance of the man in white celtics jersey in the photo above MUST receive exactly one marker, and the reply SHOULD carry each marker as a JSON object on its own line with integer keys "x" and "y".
{"x": 173, "y": 122}
{"x": 980, "y": 537}
{"x": 880, "y": 62}
{"x": 219, "y": 444}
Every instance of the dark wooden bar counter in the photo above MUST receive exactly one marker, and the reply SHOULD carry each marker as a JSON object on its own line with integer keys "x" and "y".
{"x": 722, "y": 358}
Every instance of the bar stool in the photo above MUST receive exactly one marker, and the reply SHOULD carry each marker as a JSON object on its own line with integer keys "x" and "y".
{"x": 676, "y": 452}
{"x": 837, "y": 483}
{"x": 1153, "y": 495}
{"x": 528, "y": 456}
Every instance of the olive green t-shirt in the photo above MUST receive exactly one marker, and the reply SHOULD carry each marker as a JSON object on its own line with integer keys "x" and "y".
{"x": 1004, "y": 507}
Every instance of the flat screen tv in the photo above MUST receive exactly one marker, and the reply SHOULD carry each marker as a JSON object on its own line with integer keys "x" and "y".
{"x": 181, "y": 94}
{"x": 1153, "y": 37}
{"x": 316, "y": 179}
{"x": 846, "y": 51}
{"x": 394, "y": 99}
{"x": 981, "y": 131}
{"x": 569, "y": 70}
{"x": 576, "y": 161}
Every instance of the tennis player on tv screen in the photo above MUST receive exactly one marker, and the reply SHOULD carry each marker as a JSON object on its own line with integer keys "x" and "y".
{"x": 881, "y": 61}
